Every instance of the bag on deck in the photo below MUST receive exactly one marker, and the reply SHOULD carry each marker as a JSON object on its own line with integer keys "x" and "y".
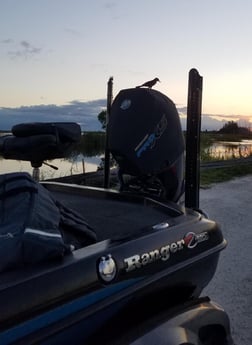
{"x": 33, "y": 226}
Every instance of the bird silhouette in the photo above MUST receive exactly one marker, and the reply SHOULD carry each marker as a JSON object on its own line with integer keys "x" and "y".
{"x": 149, "y": 83}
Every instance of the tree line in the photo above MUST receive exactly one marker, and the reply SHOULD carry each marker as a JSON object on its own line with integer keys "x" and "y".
{"x": 232, "y": 127}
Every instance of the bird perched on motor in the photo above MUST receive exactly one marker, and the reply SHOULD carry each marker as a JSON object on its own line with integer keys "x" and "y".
{"x": 150, "y": 83}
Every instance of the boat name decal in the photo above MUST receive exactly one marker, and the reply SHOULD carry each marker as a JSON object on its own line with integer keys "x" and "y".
{"x": 190, "y": 240}
{"x": 163, "y": 253}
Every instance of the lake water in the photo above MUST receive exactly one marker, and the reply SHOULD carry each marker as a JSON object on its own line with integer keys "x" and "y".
{"x": 76, "y": 165}
{"x": 81, "y": 163}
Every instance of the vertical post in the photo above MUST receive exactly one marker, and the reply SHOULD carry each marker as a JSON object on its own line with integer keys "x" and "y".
{"x": 192, "y": 175}
{"x": 36, "y": 174}
{"x": 107, "y": 152}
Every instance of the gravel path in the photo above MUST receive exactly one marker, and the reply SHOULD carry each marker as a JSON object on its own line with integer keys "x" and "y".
{"x": 230, "y": 204}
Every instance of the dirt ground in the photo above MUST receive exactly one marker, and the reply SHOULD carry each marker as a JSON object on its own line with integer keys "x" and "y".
{"x": 230, "y": 204}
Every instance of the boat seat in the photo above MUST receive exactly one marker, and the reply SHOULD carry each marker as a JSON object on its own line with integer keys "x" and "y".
{"x": 36, "y": 142}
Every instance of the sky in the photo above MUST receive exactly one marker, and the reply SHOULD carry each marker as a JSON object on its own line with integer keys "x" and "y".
{"x": 57, "y": 55}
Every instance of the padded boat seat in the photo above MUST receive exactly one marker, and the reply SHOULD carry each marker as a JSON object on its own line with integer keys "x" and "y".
{"x": 36, "y": 142}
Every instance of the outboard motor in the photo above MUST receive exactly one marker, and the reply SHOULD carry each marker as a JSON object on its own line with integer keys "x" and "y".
{"x": 146, "y": 140}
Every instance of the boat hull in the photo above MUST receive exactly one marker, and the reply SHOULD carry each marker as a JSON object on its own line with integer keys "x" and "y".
{"x": 166, "y": 263}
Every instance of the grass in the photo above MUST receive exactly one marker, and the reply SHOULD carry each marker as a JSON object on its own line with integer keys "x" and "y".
{"x": 210, "y": 137}
{"x": 216, "y": 175}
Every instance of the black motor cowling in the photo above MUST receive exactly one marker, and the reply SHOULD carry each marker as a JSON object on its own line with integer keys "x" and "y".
{"x": 146, "y": 140}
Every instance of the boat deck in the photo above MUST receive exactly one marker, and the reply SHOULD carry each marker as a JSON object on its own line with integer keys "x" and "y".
{"x": 113, "y": 218}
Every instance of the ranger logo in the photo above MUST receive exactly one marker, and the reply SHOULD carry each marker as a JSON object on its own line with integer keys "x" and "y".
{"x": 138, "y": 261}
{"x": 190, "y": 241}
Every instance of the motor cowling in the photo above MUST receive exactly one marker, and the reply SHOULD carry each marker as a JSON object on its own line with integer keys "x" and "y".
{"x": 146, "y": 139}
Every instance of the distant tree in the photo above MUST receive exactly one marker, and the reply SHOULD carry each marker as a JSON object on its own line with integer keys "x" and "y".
{"x": 230, "y": 127}
{"x": 102, "y": 118}
{"x": 245, "y": 131}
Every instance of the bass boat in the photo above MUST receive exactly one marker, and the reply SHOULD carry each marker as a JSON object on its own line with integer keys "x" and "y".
{"x": 85, "y": 265}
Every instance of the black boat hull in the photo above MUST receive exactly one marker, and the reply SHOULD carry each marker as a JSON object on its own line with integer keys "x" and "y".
{"x": 171, "y": 261}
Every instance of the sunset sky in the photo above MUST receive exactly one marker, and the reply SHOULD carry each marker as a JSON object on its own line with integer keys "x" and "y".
{"x": 61, "y": 51}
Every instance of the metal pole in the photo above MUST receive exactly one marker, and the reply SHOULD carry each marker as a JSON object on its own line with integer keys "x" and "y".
{"x": 107, "y": 152}
{"x": 192, "y": 174}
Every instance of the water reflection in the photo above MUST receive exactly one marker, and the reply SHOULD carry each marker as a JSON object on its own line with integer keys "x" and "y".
{"x": 85, "y": 157}
{"x": 70, "y": 166}
{"x": 229, "y": 150}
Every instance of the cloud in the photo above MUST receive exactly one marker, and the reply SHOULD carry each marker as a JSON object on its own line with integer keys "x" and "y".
{"x": 112, "y": 10}
{"x": 214, "y": 121}
{"x": 208, "y": 122}
{"x": 7, "y": 41}
{"x": 109, "y": 5}
{"x": 24, "y": 49}
{"x": 73, "y": 32}
{"x": 84, "y": 113}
